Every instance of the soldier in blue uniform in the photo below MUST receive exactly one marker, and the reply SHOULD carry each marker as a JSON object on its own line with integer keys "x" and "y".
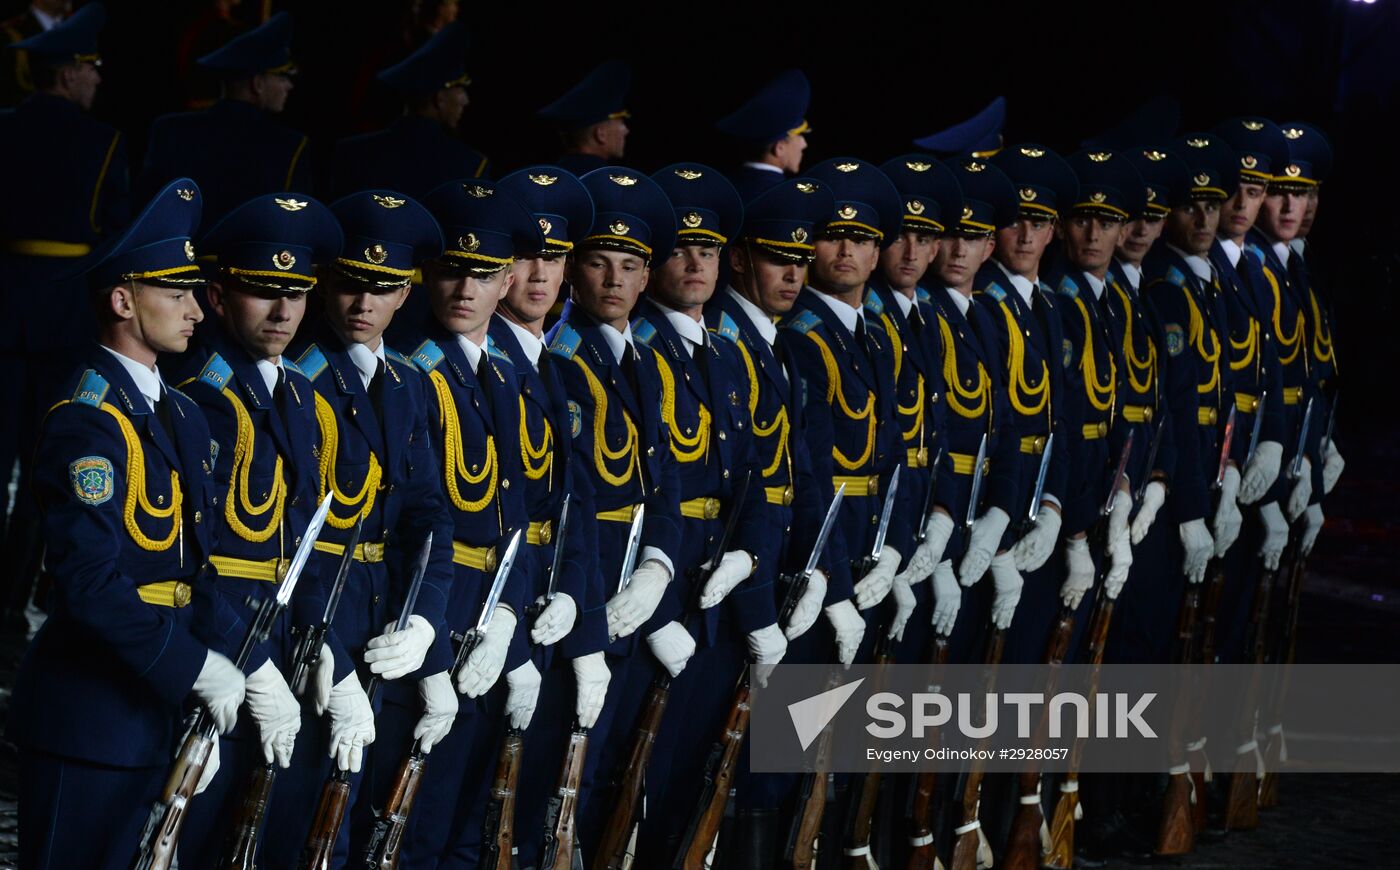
{"x": 979, "y": 136}
{"x": 76, "y": 167}
{"x": 614, "y": 393}
{"x": 376, "y": 456}
{"x": 568, "y": 638}
{"x": 123, "y": 480}
{"x": 41, "y": 15}
{"x": 262, "y": 419}
{"x": 771, "y": 129}
{"x": 236, "y": 149}
{"x": 422, "y": 149}
{"x": 592, "y": 118}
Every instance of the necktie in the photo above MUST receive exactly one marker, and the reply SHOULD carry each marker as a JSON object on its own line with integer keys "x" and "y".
{"x": 629, "y": 370}
{"x": 376, "y": 390}
{"x": 162, "y": 411}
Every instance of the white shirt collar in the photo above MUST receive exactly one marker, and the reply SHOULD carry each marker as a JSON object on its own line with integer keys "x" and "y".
{"x": 1133, "y": 272}
{"x": 1096, "y": 284}
{"x": 1283, "y": 251}
{"x": 366, "y": 361}
{"x": 529, "y": 343}
{"x": 1024, "y": 286}
{"x": 905, "y": 304}
{"x": 690, "y": 329}
{"x": 473, "y": 351}
{"x": 45, "y": 20}
{"x": 1197, "y": 264}
{"x": 766, "y": 167}
{"x": 618, "y": 342}
{"x": 848, "y": 316}
{"x": 961, "y": 301}
{"x": 1232, "y": 251}
{"x": 271, "y": 373}
{"x": 760, "y": 320}
{"x": 1299, "y": 246}
{"x": 148, "y": 380}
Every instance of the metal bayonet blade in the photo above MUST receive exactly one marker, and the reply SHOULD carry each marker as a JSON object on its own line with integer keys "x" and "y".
{"x": 420, "y": 568}
{"x": 1255, "y": 429}
{"x": 634, "y": 543}
{"x": 556, "y": 564}
{"x": 976, "y": 493}
{"x": 1296, "y": 468}
{"x": 827, "y": 522}
{"x": 308, "y": 543}
{"x": 1225, "y": 441}
{"x": 1039, "y": 492}
{"x": 885, "y": 512}
{"x": 1119, "y": 475}
{"x": 498, "y": 583}
{"x": 342, "y": 573}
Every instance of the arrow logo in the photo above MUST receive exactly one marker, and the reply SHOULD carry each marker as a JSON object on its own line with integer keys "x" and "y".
{"x": 811, "y": 715}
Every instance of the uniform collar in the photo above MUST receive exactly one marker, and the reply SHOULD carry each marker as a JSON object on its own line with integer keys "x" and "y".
{"x": 529, "y": 343}
{"x": 1198, "y": 265}
{"x": 1024, "y": 286}
{"x": 762, "y": 323}
{"x": 1298, "y": 246}
{"x": 904, "y": 302}
{"x": 1132, "y": 273}
{"x": 1232, "y": 251}
{"x": 962, "y": 302}
{"x": 46, "y": 21}
{"x": 848, "y": 315}
{"x": 1096, "y": 284}
{"x": 147, "y": 380}
{"x": 271, "y": 373}
{"x": 618, "y": 342}
{"x": 690, "y": 329}
{"x": 473, "y": 351}
{"x": 1282, "y": 251}
{"x": 765, "y": 167}
{"x": 366, "y": 361}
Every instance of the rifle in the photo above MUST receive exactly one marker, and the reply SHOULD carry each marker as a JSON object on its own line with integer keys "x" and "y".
{"x": 720, "y": 766}
{"x": 560, "y": 828}
{"x": 386, "y": 837}
{"x": 318, "y": 852}
{"x": 1060, "y": 853}
{"x": 1242, "y": 796}
{"x": 801, "y": 850}
{"x": 863, "y": 810}
{"x": 161, "y": 833}
{"x": 624, "y": 814}
{"x": 797, "y": 585}
{"x": 243, "y": 846}
{"x": 971, "y": 849}
{"x": 499, "y": 844}
{"x": 922, "y": 854}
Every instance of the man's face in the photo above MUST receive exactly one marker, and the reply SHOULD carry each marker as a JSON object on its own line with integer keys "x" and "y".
{"x": 1090, "y": 240}
{"x": 1309, "y": 215}
{"x": 463, "y": 302}
{"x": 788, "y": 151}
{"x": 770, "y": 282}
{"x": 163, "y": 317}
{"x": 1192, "y": 227}
{"x": 844, "y": 264}
{"x": 262, "y": 321}
{"x": 534, "y": 287}
{"x": 451, "y": 103}
{"x": 359, "y": 313}
{"x": 1020, "y": 246}
{"x": 607, "y": 283}
{"x": 1281, "y": 216}
{"x": 82, "y": 83}
{"x": 904, "y": 263}
{"x": 959, "y": 257}
{"x": 612, "y": 135}
{"x": 1238, "y": 213}
{"x": 1137, "y": 239}
{"x": 686, "y": 278}
{"x": 272, "y": 90}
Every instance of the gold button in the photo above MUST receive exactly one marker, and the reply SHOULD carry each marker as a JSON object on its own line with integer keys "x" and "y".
{"x": 198, "y": 517}
{"x": 721, "y": 435}
{"x": 475, "y": 468}
{"x": 505, "y": 484}
{"x": 787, "y": 495}
{"x": 1147, "y": 413}
{"x": 651, "y": 451}
{"x": 1103, "y": 429}
{"x": 986, "y": 467}
{"x": 1214, "y": 415}
{"x": 490, "y": 560}
{"x": 923, "y": 457}
{"x": 160, "y": 499}
{"x": 725, "y": 474}
{"x": 297, "y": 541}
{"x": 206, "y": 467}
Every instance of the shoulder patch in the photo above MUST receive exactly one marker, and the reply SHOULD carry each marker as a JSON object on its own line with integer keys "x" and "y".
{"x": 1068, "y": 288}
{"x": 312, "y": 362}
{"x": 727, "y": 327}
{"x": 1175, "y": 276}
{"x": 566, "y": 341}
{"x": 575, "y": 419}
{"x": 494, "y": 350}
{"x": 873, "y": 303}
{"x": 93, "y": 479}
{"x": 994, "y": 290}
{"x": 924, "y": 296}
{"x": 92, "y": 389}
{"x": 643, "y": 331}
{"x": 216, "y": 373}
{"x": 1256, "y": 252}
{"x": 1176, "y": 339}
{"x": 292, "y": 367}
{"x": 803, "y": 323}
{"x": 427, "y": 356}
{"x": 396, "y": 356}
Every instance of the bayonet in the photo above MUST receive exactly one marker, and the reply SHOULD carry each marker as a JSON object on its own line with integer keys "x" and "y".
{"x": 1225, "y": 441}
{"x": 634, "y": 543}
{"x": 309, "y": 650}
{"x": 1033, "y": 513}
{"x": 1296, "y": 469}
{"x": 976, "y": 494}
{"x": 557, "y": 563}
{"x": 1256, "y": 427}
{"x": 799, "y": 583}
{"x": 1120, "y": 475}
{"x": 927, "y": 513}
{"x": 883, "y": 529}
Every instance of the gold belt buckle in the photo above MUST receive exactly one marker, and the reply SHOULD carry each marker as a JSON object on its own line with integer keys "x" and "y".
{"x": 182, "y": 593}
{"x": 787, "y": 495}
{"x": 1103, "y": 428}
{"x": 280, "y": 571}
{"x": 547, "y": 532}
{"x": 923, "y": 457}
{"x": 1037, "y": 446}
{"x": 1147, "y": 413}
{"x": 873, "y": 486}
{"x": 373, "y": 551}
{"x": 986, "y": 467}
{"x": 490, "y": 561}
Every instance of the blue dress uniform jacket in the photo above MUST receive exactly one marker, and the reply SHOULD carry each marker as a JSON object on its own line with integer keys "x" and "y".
{"x": 72, "y": 170}
{"x": 380, "y": 464}
{"x": 233, "y": 150}
{"x": 1142, "y": 378}
{"x": 1253, "y": 354}
{"x": 705, "y": 406}
{"x": 412, "y": 155}
{"x": 127, "y": 520}
{"x": 750, "y": 181}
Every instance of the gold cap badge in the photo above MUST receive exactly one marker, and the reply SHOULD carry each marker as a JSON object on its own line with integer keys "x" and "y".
{"x": 1293, "y": 132}
{"x": 799, "y": 235}
{"x": 545, "y": 226}
{"x": 1253, "y": 125}
{"x": 291, "y": 204}
{"x": 543, "y": 180}
{"x": 914, "y": 206}
{"x": 967, "y": 213}
{"x": 848, "y": 167}
{"x": 477, "y": 191}
{"x": 1028, "y": 194}
{"x": 469, "y": 242}
{"x": 1099, "y": 156}
{"x": 623, "y": 180}
{"x": 846, "y": 212}
{"x": 918, "y": 165}
{"x": 1202, "y": 179}
{"x": 1198, "y": 143}
{"x": 619, "y": 228}
{"x": 806, "y": 187}
{"x": 689, "y": 174}
{"x": 387, "y": 201}
{"x": 376, "y": 254}
{"x": 1033, "y": 152}
{"x": 189, "y": 251}
{"x": 1293, "y": 170}
{"x": 1098, "y": 196}
{"x": 1249, "y": 161}
{"x": 185, "y": 193}
{"x": 691, "y": 219}
{"x": 283, "y": 260}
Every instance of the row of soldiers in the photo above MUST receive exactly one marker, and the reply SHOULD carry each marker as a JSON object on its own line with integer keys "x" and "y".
{"x": 514, "y": 535}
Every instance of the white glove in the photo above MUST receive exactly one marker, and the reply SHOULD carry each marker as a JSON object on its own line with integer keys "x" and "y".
{"x": 439, "y": 709}
{"x": 555, "y": 621}
{"x": 1079, "y": 577}
{"x": 322, "y": 679}
{"x": 1261, "y": 472}
{"x": 1035, "y": 546}
{"x": 849, "y": 627}
{"x": 211, "y": 767}
{"x": 1225, "y": 525}
{"x": 808, "y": 607}
{"x": 483, "y": 667}
{"x": 927, "y": 555}
{"x": 631, "y": 607}
{"x": 947, "y": 598}
{"x": 352, "y": 723}
{"x": 767, "y": 646}
{"x": 1312, "y": 524}
{"x": 1007, "y": 582}
{"x": 673, "y": 646}
{"x": 982, "y": 545}
{"x": 1153, "y": 497}
{"x": 1332, "y": 465}
{"x": 220, "y": 688}
{"x": 524, "y": 694}
{"x": 395, "y": 654}
{"x": 1198, "y": 545}
{"x": 591, "y": 675}
{"x": 1120, "y": 561}
{"x": 1119, "y": 510}
{"x": 1275, "y": 535}
{"x": 1301, "y": 493}
{"x": 276, "y": 711}
{"x": 734, "y": 568}
{"x": 903, "y": 606}
{"x": 874, "y": 586}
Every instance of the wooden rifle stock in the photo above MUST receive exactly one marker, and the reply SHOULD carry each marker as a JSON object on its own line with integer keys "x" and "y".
{"x": 801, "y": 849}
{"x": 561, "y": 829}
{"x": 1242, "y": 796}
{"x": 863, "y": 810}
{"x": 167, "y": 818}
{"x": 970, "y": 839}
{"x": 704, "y": 825}
{"x": 319, "y": 851}
{"x": 386, "y": 838}
{"x": 243, "y": 847}
{"x": 499, "y": 830}
{"x": 923, "y": 854}
{"x": 1284, "y": 647}
{"x": 1176, "y": 832}
{"x": 613, "y": 846}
